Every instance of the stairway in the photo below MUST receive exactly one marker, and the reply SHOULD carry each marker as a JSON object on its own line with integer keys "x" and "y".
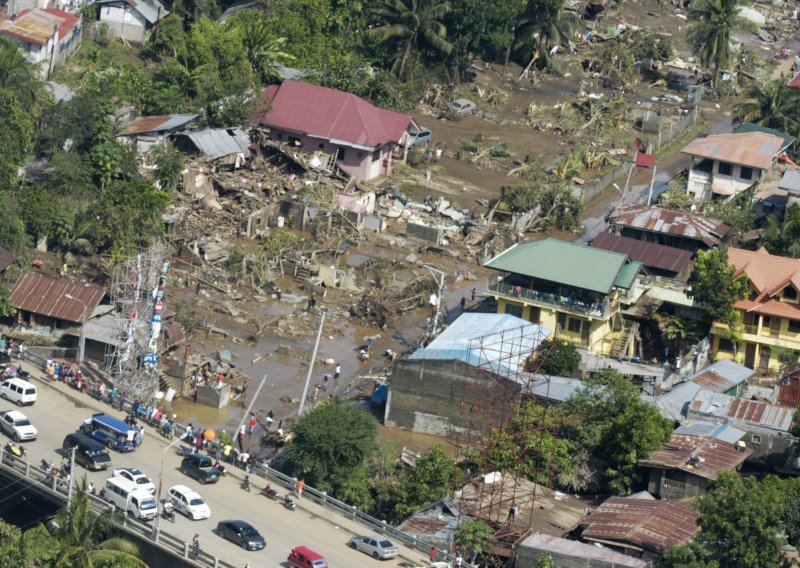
{"x": 626, "y": 335}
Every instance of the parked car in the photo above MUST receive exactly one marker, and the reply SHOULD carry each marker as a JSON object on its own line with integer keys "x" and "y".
{"x": 241, "y": 533}
{"x": 460, "y": 108}
{"x": 376, "y": 546}
{"x": 304, "y": 557}
{"x": 188, "y": 501}
{"x": 419, "y": 137}
{"x": 140, "y": 479}
{"x": 17, "y": 426}
{"x": 88, "y": 452}
{"x": 200, "y": 468}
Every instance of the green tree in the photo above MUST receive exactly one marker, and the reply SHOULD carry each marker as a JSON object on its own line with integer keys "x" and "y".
{"x": 169, "y": 165}
{"x": 713, "y": 285}
{"x": 263, "y": 49}
{"x": 413, "y": 22}
{"x": 473, "y": 537}
{"x": 330, "y": 444}
{"x": 12, "y": 550}
{"x": 546, "y": 561}
{"x": 435, "y": 475}
{"x": 691, "y": 555}
{"x": 16, "y": 138}
{"x": 710, "y": 34}
{"x": 545, "y": 25}
{"x": 485, "y": 28}
{"x": 18, "y": 76}
{"x": 783, "y": 239}
{"x": 7, "y": 310}
{"x": 556, "y": 357}
{"x": 772, "y": 104}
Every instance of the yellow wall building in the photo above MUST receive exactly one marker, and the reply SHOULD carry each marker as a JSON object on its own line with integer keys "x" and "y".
{"x": 770, "y": 314}
{"x": 572, "y": 289}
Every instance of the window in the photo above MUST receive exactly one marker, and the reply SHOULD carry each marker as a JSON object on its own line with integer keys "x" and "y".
{"x": 794, "y": 326}
{"x": 790, "y": 293}
{"x": 724, "y": 169}
{"x": 340, "y": 154}
{"x": 376, "y": 155}
{"x": 562, "y": 321}
{"x": 321, "y": 146}
{"x": 745, "y": 172}
{"x": 725, "y": 345}
{"x": 514, "y": 310}
{"x": 756, "y": 439}
{"x": 575, "y": 325}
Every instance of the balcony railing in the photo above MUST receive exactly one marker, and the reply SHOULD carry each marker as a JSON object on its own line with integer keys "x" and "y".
{"x": 561, "y": 303}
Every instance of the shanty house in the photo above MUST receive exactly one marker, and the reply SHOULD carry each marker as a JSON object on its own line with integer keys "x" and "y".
{"x": 663, "y": 226}
{"x": 566, "y": 552}
{"x": 473, "y": 364}
{"x": 435, "y": 525}
{"x": 643, "y": 528}
{"x": 46, "y": 36}
{"x": 724, "y": 165}
{"x": 130, "y": 20}
{"x": 657, "y": 259}
{"x": 768, "y": 426}
{"x": 360, "y": 136}
{"x": 46, "y": 304}
{"x": 570, "y": 288}
{"x": 221, "y": 146}
{"x": 770, "y": 314}
{"x": 146, "y": 131}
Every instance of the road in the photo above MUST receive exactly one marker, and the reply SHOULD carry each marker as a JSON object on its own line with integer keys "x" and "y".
{"x": 60, "y": 410}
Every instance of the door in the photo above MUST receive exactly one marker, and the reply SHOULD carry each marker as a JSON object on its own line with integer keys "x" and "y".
{"x": 535, "y": 314}
{"x": 763, "y": 360}
{"x": 585, "y": 330}
{"x": 750, "y": 355}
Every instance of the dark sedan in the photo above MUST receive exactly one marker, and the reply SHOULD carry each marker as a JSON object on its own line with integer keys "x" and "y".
{"x": 241, "y": 533}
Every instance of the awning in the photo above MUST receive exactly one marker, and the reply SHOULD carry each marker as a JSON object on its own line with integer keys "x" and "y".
{"x": 722, "y": 190}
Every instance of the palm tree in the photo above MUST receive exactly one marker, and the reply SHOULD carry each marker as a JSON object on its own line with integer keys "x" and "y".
{"x": 263, "y": 49}
{"x": 414, "y": 21}
{"x": 710, "y": 35}
{"x": 17, "y": 74}
{"x": 771, "y": 104}
{"x": 547, "y": 25}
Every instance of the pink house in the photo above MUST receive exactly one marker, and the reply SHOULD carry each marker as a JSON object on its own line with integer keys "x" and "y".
{"x": 319, "y": 119}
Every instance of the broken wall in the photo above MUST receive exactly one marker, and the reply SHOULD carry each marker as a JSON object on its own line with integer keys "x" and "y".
{"x": 425, "y": 233}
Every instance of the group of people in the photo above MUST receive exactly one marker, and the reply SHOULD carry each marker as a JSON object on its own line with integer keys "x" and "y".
{"x": 7, "y": 346}
{"x": 66, "y": 373}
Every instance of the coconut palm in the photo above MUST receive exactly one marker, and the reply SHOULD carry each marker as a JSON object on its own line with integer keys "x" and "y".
{"x": 415, "y": 21}
{"x": 710, "y": 35}
{"x": 263, "y": 49}
{"x": 546, "y": 26}
{"x": 18, "y": 75}
{"x": 771, "y": 104}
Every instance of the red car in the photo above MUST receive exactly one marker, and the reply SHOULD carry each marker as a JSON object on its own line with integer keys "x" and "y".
{"x": 303, "y": 557}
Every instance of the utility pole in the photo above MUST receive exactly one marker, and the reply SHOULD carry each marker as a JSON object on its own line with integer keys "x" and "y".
{"x": 71, "y": 475}
{"x": 652, "y": 181}
{"x": 439, "y": 295}
{"x": 311, "y": 367}
{"x": 250, "y": 406}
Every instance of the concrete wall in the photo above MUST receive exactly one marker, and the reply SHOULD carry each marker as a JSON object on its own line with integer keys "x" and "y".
{"x": 658, "y": 484}
{"x": 446, "y": 398}
{"x": 124, "y": 22}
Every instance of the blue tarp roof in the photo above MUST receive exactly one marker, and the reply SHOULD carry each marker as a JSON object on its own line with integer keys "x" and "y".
{"x": 505, "y": 341}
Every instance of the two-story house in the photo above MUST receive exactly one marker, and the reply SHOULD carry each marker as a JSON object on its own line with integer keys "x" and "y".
{"x": 46, "y": 36}
{"x": 573, "y": 289}
{"x": 724, "y": 165}
{"x": 770, "y": 314}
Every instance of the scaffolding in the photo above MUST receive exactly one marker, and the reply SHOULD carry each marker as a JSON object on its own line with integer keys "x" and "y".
{"x": 498, "y": 378}
{"x": 137, "y": 290}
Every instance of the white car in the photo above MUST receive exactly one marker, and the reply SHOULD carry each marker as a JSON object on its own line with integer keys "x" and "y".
{"x": 17, "y": 425}
{"x": 188, "y": 502}
{"x": 380, "y": 548}
{"x": 140, "y": 479}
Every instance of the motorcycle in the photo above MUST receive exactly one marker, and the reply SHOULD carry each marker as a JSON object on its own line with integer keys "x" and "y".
{"x": 184, "y": 451}
{"x": 246, "y": 483}
{"x": 270, "y": 493}
{"x": 289, "y": 503}
{"x": 15, "y": 450}
{"x": 168, "y": 512}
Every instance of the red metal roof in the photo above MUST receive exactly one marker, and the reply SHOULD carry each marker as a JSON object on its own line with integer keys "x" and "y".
{"x": 45, "y": 296}
{"x": 711, "y": 380}
{"x": 652, "y": 525}
{"x": 716, "y": 456}
{"x": 330, "y": 114}
{"x": 665, "y": 221}
{"x": 795, "y": 82}
{"x": 37, "y": 26}
{"x": 645, "y": 160}
{"x": 650, "y": 254}
{"x": 789, "y": 392}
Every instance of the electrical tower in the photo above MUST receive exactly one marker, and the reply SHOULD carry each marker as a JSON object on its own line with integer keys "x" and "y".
{"x": 137, "y": 290}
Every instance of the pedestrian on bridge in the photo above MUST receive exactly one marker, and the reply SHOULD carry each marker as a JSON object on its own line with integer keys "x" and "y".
{"x": 300, "y": 486}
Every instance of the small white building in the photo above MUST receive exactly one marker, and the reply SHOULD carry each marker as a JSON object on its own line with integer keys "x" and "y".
{"x": 45, "y": 36}
{"x": 130, "y": 19}
{"x": 724, "y": 165}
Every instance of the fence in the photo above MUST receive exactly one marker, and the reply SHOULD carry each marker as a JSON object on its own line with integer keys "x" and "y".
{"x": 666, "y": 136}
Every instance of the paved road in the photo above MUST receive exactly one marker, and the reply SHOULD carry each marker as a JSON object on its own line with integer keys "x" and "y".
{"x": 60, "y": 410}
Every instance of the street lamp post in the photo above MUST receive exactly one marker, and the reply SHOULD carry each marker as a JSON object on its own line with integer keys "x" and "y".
{"x": 82, "y": 341}
{"x": 157, "y": 523}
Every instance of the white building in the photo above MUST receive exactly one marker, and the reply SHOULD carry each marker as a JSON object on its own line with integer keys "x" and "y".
{"x": 130, "y": 19}
{"x": 45, "y": 36}
{"x": 726, "y": 164}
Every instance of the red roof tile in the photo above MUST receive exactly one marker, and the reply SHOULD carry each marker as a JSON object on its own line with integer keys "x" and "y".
{"x": 45, "y": 296}
{"x": 649, "y": 254}
{"x": 767, "y": 272}
{"x": 652, "y": 525}
{"x": 330, "y": 114}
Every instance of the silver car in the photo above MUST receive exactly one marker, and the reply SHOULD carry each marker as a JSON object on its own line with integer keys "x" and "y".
{"x": 460, "y": 107}
{"x": 376, "y": 546}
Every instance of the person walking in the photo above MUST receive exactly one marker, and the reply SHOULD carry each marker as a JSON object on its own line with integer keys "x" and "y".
{"x": 251, "y": 424}
{"x": 141, "y": 435}
{"x": 270, "y": 417}
{"x": 300, "y": 486}
{"x": 337, "y": 372}
{"x": 240, "y": 438}
{"x": 463, "y": 304}
{"x": 432, "y": 555}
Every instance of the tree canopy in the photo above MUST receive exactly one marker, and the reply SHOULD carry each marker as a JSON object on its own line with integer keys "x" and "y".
{"x": 714, "y": 286}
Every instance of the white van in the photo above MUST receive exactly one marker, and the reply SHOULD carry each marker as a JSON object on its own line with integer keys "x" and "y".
{"x": 126, "y": 495}
{"x": 18, "y": 391}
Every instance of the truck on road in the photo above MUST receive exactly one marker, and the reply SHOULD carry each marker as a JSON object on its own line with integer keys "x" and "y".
{"x": 200, "y": 468}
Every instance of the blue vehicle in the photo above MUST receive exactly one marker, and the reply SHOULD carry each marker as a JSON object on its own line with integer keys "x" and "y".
{"x": 111, "y": 432}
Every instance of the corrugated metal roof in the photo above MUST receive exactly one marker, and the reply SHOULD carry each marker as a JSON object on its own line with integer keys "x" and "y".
{"x": 457, "y": 342}
{"x": 674, "y": 404}
{"x": 752, "y": 127}
{"x": 6, "y": 259}
{"x": 790, "y": 181}
{"x": 220, "y": 142}
{"x": 151, "y": 10}
{"x": 753, "y": 149}
{"x": 722, "y": 432}
{"x": 652, "y": 255}
{"x": 652, "y": 525}
{"x": 45, "y": 296}
{"x": 627, "y": 275}
{"x": 722, "y": 376}
{"x": 656, "y": 220}
{"x": 37, "y": 26}
{"x": 553, "y": 388}
{"x": 562, "y": 262}
{"x": 789, "y": 391}
{"x": 715, "y": 456}
{"x": 588, "y": 552}
{"x": 330, "y": 114}
{"x": 161, "y": 123}
{"x": 737, "y": 409}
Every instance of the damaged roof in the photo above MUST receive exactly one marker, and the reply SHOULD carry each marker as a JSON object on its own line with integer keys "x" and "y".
{"x": 722, "y": 376}
{"x": 161, "y": 123}
{"x": 560, "y": 547}
{"x": 736, "y": 409}
{"x": 151, "y": 10}
{"x": 652, "y": 255}
{"x": 46, "y": 296}
{"x": 38, "y": 26}
{"x": 753, "y": 149}
{"x": 664, "y": 221}
{"x": 219, "y": 142}
{"x": 342, "y": 118}
{"x": 702, "y": 456}
{"x": 646, "y": 524}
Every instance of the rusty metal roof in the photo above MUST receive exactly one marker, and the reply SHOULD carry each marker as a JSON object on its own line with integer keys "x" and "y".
{"x": 702, "y": 456}
{"x": 789, "y": 391}
{"x": 161, "y": 123}
{"x": 6, "y": 259}
{"x": 40, "y": 25}
{"x": 737, "y": 409}
{"x": 651, "y": 255}
{"x": 651, "y": 525}
{"x": 722, "y": 376}
{"x": 664, "y": 221}
{"x": 753, "y": 149}
{"x": 45, "y": 296}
